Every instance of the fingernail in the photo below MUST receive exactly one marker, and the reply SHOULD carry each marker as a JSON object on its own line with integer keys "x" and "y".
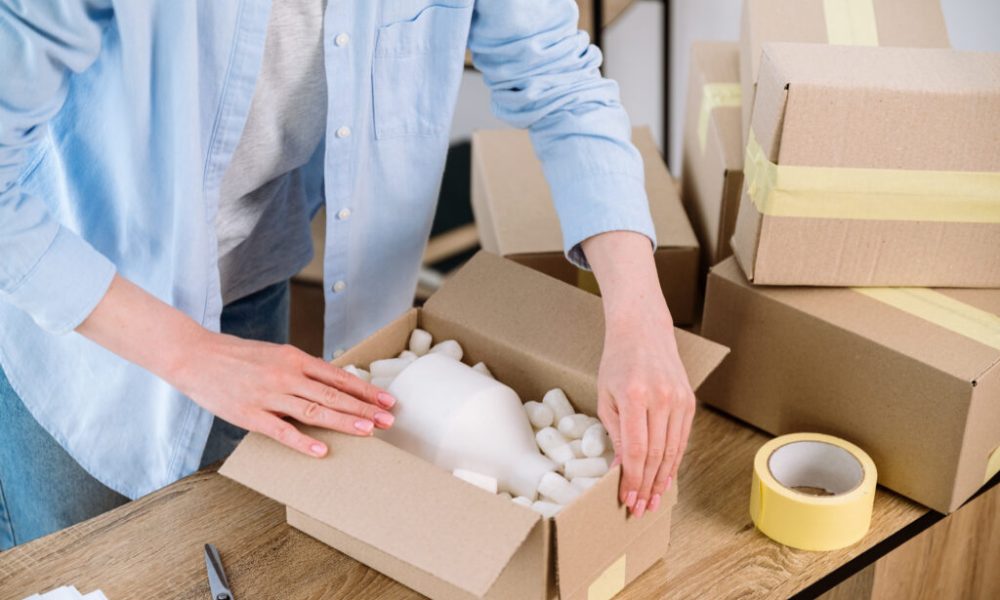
{"x": 640, "y": 508}
{"x": 363, "y": 426}
{"x": 654, "y": 503}
{"x": 386, "y": 400}
{"x": 670, "y": 481}
{"x": 384, "y": 419}
{"x": 318, "y": 449}
{"x": 630, "y": 499}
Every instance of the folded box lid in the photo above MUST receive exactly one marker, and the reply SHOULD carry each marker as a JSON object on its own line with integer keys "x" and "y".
{"x": 391, "y": 500}
{"x": 521, "y": 308}
{"x": 513, "y": 205}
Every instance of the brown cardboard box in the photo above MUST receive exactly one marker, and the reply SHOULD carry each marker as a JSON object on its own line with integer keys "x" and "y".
{"x": 902, "y": 23}
{"x": 435, "y": 533}
{"x": 888, "y": 163}
{"x": 712, "y": 177}
{"x": 516, "y": 219}
{"x": 920, "y": 398}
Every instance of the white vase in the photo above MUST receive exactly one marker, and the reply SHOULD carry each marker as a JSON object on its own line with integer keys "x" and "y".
{"x": 457, "y": 418}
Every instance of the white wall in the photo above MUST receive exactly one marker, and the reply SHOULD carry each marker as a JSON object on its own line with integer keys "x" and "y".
{"x": 634, "y": 53}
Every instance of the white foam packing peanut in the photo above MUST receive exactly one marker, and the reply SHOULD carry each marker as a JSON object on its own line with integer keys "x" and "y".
{"x": 574, "y": 426}
{"x": 585, "y": 467}
{"x": 482, "y": 368}
{"x": 359, "y": 373}
{"x": 595, "y": 441}
{"x": 556, "y": 487}
{"x": 522, "y": 500}
{"x": 539, "y": 414}
{"x": 477, "y": 479}
{"x": 577, "y": 447}
{"x": 505, "y": 495}
{"x": 388, "y": 367}
{"x": 449, "y": 348}
{"x": 584, "y": 483}
{"x": 547, "y": 509}
{"x": 556, "y": 400}
{"x": 554, "y": 445}
{"x": 408, "y": 355}
{"x": 420, "y": 342}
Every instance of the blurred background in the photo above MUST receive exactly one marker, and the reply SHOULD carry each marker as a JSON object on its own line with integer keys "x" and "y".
{"x": 646, "y": 50}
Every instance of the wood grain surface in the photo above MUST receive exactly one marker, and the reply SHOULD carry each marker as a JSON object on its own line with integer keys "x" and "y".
{"x": 152, "y": 548}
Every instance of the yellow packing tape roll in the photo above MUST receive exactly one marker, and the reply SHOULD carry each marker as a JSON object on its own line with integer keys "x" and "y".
{"x": 870, "y": 194}
{"x": 812, "y": 491}
{"x": 944, "y": 311}
{"x": 850, "y": 22}
{"x": 713, "y": 96}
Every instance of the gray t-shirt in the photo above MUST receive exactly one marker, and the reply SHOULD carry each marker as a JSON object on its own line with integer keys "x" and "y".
{"x": 263, "y": 219}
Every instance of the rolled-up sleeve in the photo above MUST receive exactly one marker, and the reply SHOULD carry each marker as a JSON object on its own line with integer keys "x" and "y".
{"x": 543, "y": 75}
{"x": 46, "y": 270}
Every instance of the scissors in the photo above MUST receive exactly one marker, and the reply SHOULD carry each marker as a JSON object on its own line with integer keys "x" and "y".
{"x": 217, "y": 580}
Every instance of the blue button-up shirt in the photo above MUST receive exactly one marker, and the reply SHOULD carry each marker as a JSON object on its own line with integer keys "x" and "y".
{"x": 118, "y": 119}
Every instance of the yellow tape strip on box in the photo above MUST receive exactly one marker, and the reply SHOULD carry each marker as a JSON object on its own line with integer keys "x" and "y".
{"x": 713, "y": 96}
{"x": 870, "y": 194}
{"x": 850, "y": 22}
{"x": 944, "y": 311}
{"x": 608, "y": 583}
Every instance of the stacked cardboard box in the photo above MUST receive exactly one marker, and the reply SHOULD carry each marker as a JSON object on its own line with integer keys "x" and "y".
{"x": 712, "y": 177}
{"x": 902, "y": 23}
{"x": 867, "y": 166}
{"x": 516, "y": 219}
{"x": 437, "y": 534}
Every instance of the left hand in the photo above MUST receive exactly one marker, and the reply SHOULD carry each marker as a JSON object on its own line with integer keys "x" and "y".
{"x": 646, "y": 403}
{"x": 644, "y": 398}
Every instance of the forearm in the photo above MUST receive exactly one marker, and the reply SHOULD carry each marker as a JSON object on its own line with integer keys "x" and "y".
{"x": 623, "y": 265}
{"x": 142, "y": 329}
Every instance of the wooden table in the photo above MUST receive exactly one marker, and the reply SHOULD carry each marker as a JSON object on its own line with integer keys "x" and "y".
{"x": 152, "y": 548}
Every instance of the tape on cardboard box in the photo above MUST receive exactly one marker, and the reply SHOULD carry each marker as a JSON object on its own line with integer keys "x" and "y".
{"x": 944, "y": 311}
{"x": 869, "y": 194}
{"x": 850, "y": 22}
{"x": 713, "y": 96}
{"x": 610, "y": 582}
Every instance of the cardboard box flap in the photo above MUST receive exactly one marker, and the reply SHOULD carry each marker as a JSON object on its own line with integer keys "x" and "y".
{"x": 347, "y": 490}
{"x": 578, "y": 536}
{"x": 518, "y": 307}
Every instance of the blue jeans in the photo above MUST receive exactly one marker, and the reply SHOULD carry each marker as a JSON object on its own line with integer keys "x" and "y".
{"x": 42, "y": 489}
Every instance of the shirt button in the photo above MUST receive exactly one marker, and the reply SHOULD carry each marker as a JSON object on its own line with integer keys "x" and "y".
{"x": 339, "y": 286}
{"x": 342, "y": 39}
{"x": 344, "y": 214}
{"x": 338, "y": 352}
{"x": 344, "y": 131}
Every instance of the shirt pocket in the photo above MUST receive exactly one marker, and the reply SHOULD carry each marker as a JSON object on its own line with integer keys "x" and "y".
{"x": 416, "y": 70}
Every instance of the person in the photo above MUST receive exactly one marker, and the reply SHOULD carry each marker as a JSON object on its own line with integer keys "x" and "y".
{"x": 159, "y": 166}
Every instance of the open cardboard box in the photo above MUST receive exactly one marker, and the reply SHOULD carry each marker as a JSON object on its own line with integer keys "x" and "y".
{"x": 516, "y": 219}
{"x": 442, "y": 536}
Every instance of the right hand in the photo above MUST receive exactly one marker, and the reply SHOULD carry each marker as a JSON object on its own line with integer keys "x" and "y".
{"x": 254, "y": 384}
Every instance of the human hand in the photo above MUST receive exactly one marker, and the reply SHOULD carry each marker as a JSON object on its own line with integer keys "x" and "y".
{"x": 254, "y": 384}
{"x": 644, "y": 397}
{"x": 646, "y": 404}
